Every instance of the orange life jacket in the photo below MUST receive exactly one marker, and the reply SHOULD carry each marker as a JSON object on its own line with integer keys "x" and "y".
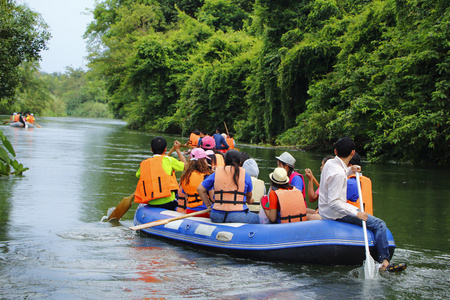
{"x": 220, "y": 161}
{"x": 292, "y": 205}
{"x": 230, "y": 142}
{"x": 181, "y": 207}
{"x": 193, "y": 139}
{"x": 16, "y": 118}
{"x": 227, "y": 196}
{"x": 193, "y": 199}
{"x": 30, "y": 119}
{"x": 366, "y": 190}
{"x": 154, "y": 183}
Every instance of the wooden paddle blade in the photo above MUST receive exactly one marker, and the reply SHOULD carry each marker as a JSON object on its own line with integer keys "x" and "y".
{"x": 122, "y": 208}
{"x": 38, "y": 126}
{"x": 165, "y": 221}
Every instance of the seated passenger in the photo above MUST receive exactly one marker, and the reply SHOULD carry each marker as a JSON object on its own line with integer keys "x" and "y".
{"x": 159, "y": 168}
{"x": 259, "y": 188}
{"x": 286, "y": 203}
{"x": 194, "y": 138}
{"x": 208, "y": 144}
{"x": 232, "y": 191}
{"x": 221, "y": 143}
{"x": 196, "y": 171}
{"x": 30, "y": 119}
{"x": 287, "y": 162}
{"x": 314, "y": 196}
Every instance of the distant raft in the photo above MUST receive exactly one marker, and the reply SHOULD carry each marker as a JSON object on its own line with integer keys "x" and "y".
{"x": 20, "y": 124}
{"x": 315, "y": 242}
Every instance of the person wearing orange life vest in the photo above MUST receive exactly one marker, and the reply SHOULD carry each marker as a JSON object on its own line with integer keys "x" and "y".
{"x": 30, "y": 119}
{"x": 194, "y": 138}
{"x": 285, "y": 202}
{"x": 181, "y": 200}
{"x": 366, "y": 188}
{"x": 209, "y": 144}
{"x": 196, "y": 171}
{"x": 232, "y": 191}
{"x": 157, "y": 181}
{"x": 230, "y": 141}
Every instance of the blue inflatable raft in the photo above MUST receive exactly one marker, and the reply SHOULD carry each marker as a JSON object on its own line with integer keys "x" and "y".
{"x": 315, "y": 242}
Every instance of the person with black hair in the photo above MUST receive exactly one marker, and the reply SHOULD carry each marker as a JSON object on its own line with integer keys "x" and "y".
{"x": 157, "y": 181}
{"x": 244, "y": 157}
{"x": 286, "y": 203}
{"x": 230, "y": 140}
{"x": 232, "y": 192}
{"x": 194, "y": 138}
{"x": 202, "y": 134}
{"x": 221, "y": 143}
{"x": 333, "y": 199}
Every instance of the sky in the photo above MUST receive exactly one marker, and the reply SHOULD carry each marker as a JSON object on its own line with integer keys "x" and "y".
{"x": 67, "y": 23}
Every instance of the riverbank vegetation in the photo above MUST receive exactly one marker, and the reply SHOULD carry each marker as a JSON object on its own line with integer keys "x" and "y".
{"x": 298, "y": 73}
{"x": 284, "y": 72}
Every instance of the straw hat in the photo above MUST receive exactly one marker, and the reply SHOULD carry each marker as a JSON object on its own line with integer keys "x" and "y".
{"x": 287, "y": 159}
{"x": 279, "y": 176}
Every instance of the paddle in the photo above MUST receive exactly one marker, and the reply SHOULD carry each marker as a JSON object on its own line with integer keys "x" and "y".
{"x": 315, "y": 181}
{"x": 122, "y": 208}
{"x": 369, "y": 264}
{"x": 165, "y": 221}
{"x": 38, "y": 126}
{"x": 226, "y": 128}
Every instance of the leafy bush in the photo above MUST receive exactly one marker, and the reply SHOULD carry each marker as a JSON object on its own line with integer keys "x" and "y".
{"x": 6, "y": 162}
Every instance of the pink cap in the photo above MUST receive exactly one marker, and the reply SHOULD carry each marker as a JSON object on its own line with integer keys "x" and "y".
{"x": 208, "y": 142}
{"x": 209, "y": 152}
{"x": 198, "y": 153}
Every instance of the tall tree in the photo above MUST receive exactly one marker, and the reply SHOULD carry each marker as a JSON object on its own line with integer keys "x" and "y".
{"x": 23, "y": 35}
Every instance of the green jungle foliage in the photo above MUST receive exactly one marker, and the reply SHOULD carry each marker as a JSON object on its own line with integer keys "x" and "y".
{"x": 302, "y": 72}
{"x": 76, "y": 93}
{"x": 6, "y": 162}
{"x": 23, "y": 35}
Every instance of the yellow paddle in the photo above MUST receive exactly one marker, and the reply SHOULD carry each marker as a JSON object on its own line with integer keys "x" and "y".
{"x": 165, "y": 221}
{"x": 121, "y": 208}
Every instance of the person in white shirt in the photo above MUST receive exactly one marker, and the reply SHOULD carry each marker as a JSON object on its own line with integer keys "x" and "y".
{"x": 333, "y": 198}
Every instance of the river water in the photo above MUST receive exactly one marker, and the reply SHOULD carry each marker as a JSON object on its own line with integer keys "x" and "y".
{"x": 53, "y": 244}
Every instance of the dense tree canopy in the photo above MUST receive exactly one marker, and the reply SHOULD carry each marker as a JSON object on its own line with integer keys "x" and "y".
{"x": 302, "y": 72}
{"x": 23, "y": 35}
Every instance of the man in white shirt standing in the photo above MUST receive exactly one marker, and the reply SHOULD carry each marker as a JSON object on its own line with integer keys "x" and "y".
{"x": 333, "y": 198}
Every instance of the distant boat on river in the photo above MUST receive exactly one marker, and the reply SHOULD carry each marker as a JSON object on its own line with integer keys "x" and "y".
{"x": 20, "y": 124}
